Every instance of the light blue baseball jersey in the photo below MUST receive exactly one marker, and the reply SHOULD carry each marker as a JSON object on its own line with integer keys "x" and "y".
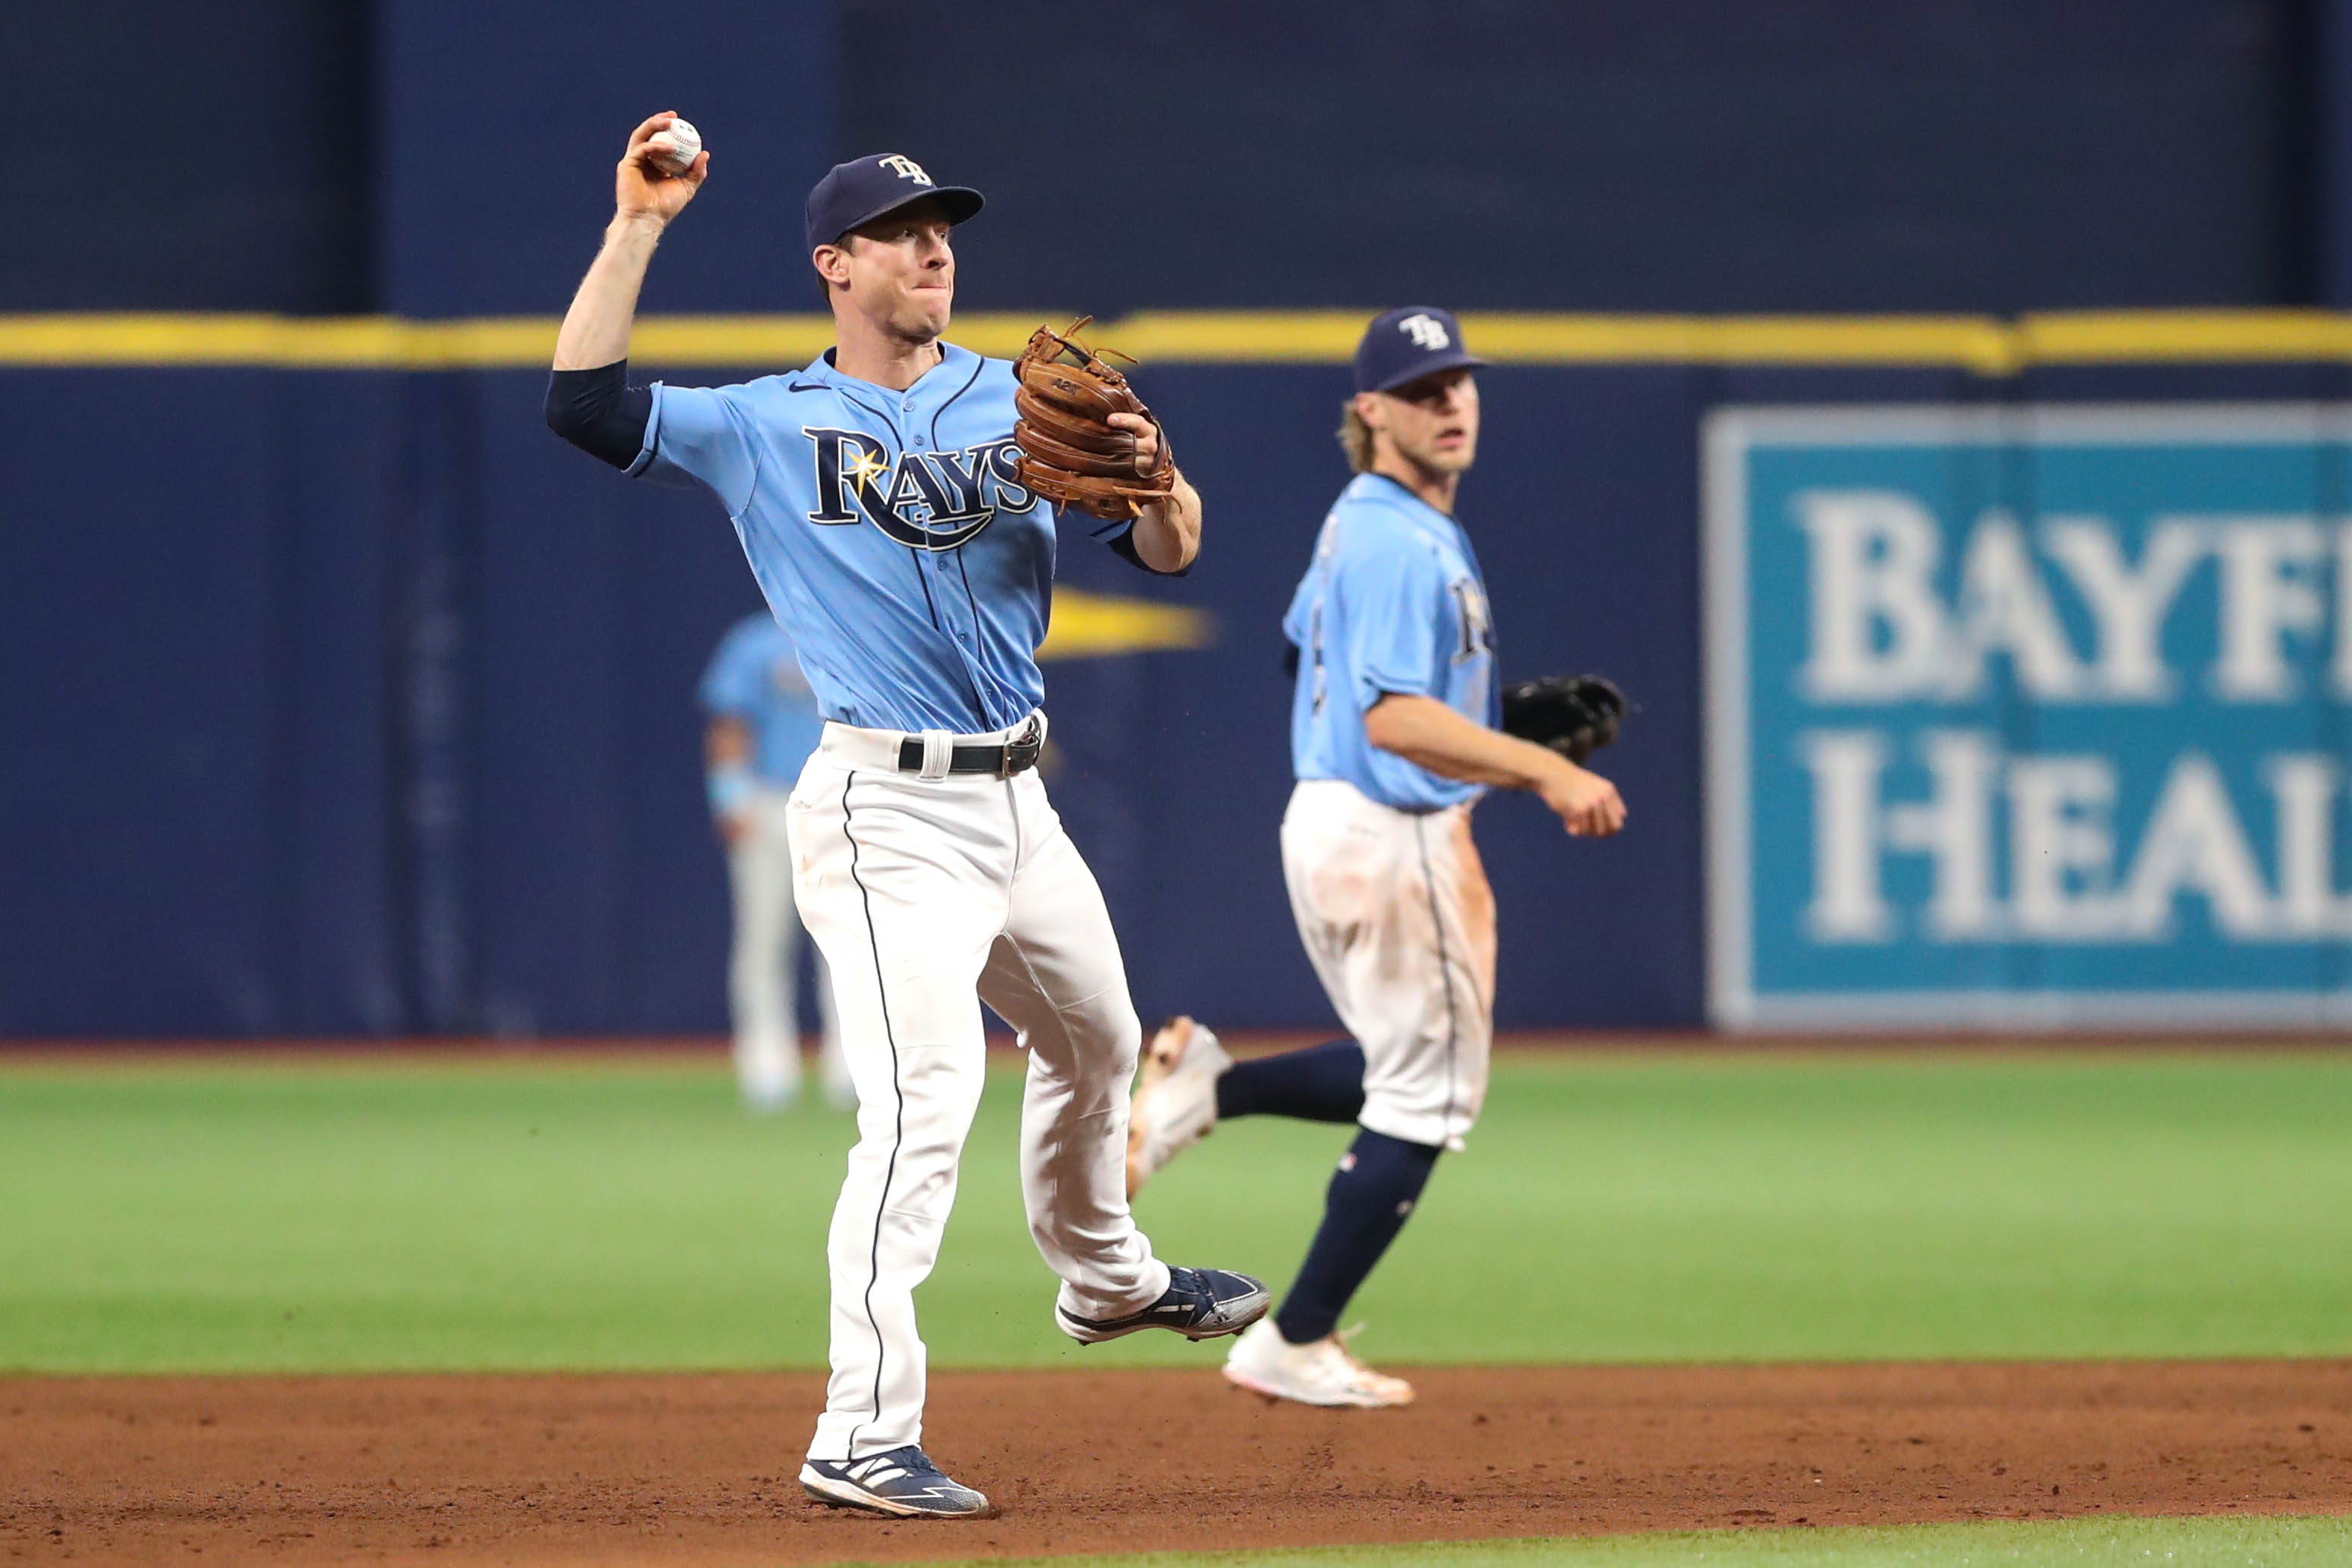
{"x": 1394, "y": 602}
{"x": 888, "y": 530}
{"x": 755, "y": 676}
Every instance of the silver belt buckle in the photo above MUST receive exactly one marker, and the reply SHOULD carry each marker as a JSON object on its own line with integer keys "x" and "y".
{"x": 1005, "y": 759}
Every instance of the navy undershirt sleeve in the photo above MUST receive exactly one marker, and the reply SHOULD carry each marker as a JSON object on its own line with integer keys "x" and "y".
{"x": 600, "y": 412}
{"x": 1123, "y": 548}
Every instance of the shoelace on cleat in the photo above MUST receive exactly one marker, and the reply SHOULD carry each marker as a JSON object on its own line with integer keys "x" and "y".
{"x": 1192, "y": 1284}
{"x": 915, "y": 1462}
{"x": 1340, "y": 1338}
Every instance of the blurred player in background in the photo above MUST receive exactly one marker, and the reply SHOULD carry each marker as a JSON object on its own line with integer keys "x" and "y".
{"x": 760, "y": 724}
{"x": 1393, "y": 740}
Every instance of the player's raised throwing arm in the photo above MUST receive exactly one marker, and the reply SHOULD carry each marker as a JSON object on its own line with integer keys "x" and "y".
{"x": 645, "y": 198}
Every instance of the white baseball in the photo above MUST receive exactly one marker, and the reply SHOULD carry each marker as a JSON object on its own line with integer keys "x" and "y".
{"x": 675, "y": 149}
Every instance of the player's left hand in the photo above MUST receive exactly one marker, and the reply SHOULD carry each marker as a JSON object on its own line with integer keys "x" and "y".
{"x": 1151, "y": 449}
{"x": 1085, "y": 439}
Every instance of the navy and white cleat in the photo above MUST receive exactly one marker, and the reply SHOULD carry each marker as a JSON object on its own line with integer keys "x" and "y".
{"x": 1199, "y": 1303}
{"x": 901, "y": 1482}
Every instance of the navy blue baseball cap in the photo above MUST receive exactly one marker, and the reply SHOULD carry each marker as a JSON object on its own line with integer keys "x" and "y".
{"x": 1408, "y": 343}
{"x": 857, "y": 193}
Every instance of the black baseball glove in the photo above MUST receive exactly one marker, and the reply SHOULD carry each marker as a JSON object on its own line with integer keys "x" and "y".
{"x": 1575, "y": 716}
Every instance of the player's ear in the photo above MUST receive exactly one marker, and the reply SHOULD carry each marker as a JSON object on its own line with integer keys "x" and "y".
{"x": 832, "y": 265}
{"x": 1370, "y": 409}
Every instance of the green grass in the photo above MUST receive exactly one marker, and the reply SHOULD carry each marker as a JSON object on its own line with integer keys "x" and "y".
{"x": 2076, "y": 1543}
{"x": 355, "y": 1216}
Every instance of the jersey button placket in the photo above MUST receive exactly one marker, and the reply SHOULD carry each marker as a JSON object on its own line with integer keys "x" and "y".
{"x": 967, "y": 631}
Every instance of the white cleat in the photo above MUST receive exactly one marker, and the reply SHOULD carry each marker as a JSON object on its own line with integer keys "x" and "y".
{"x": 1175, "y": 1103}
{"x": 1320, "y": 1373}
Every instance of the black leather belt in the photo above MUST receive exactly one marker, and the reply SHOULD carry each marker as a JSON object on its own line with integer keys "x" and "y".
{"x": 1016, "y": 755}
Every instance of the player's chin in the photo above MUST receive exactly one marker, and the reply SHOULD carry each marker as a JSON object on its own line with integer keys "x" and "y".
{"x": 927, "y": 311}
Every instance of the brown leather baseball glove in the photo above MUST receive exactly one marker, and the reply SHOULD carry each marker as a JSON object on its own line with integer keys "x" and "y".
{"x": 1070, "y": 452}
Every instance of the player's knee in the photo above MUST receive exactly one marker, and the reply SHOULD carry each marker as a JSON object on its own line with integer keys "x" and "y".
{"x": 1123, "y": 1041}
{"x": 1101, "y": 1037}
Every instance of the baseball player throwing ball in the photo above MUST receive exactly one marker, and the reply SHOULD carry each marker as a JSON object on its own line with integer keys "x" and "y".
{"x": 1394, "y": 737}
{"x": 907, "y": 546}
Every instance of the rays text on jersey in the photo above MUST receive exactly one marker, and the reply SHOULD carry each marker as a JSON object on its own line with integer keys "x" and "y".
{"x": 925, "y": 500}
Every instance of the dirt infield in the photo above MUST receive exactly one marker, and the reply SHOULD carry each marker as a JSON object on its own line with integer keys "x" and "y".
{"x": 699, "y": 1469}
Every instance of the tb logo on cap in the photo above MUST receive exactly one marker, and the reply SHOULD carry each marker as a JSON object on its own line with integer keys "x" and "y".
{"x": 1427, "y": 332}
{"x": 906, "y": 168}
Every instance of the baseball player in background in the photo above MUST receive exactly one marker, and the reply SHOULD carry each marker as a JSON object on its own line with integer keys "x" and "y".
{"x": 1393, "y": 740}
{"x": 876, "y": 494}
{"x": 760, "y": 725}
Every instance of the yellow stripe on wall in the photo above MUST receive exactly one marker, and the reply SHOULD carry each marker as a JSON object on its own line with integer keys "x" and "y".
{"x": 1089, "y": 625}
{"x": 2125, "y": 337}
{"x": 1981, "y": 344}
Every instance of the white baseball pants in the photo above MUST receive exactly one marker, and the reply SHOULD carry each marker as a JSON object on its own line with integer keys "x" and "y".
{"x": 1399, "y": 921}
{"x": 929, "y": 896}
{"x": 760, "y": 967}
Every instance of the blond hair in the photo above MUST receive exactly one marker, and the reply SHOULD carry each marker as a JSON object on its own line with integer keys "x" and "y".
{"x": 1355, "y": 438}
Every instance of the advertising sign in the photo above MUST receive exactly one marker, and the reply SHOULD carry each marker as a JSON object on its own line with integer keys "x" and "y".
{"x": 2029, "y": 715}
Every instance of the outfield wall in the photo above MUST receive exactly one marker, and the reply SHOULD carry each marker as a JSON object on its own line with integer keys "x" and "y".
{"x": 343, "y": 699}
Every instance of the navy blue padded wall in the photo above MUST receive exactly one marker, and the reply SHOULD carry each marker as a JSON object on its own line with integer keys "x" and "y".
{"x": 209, "y": 157}
{"x": 356, "y": 703}
{"x": 192, "y": 641}
{"x": 602, "y": 895}
{"x": 498, "y": 127}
